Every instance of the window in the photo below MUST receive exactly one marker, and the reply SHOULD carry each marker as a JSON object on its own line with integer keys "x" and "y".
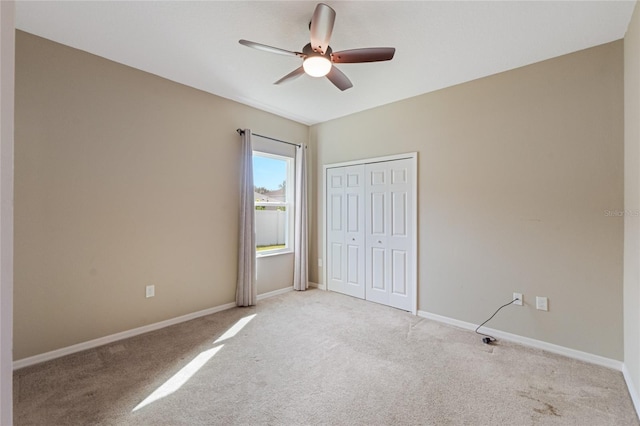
{"x": 273, "y": 189}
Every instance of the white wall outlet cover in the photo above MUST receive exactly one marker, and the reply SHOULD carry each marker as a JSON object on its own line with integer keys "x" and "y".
{"x": 542, "y": 303}
{"x": 520, "y": 300}
{"x": 150, "y": 291}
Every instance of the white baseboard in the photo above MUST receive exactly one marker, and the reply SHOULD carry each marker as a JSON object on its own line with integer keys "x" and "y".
{"x": 275, "y": 293}
{"x": 318, "y": 286}
{"x": 47, "y": 356}
{"x": 633, "y": 392}
{"x": 526, "y": 341}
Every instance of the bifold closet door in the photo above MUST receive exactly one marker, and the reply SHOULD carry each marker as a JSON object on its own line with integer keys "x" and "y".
{"x": 389, "y": 234}
{"x": 345, "y": 230}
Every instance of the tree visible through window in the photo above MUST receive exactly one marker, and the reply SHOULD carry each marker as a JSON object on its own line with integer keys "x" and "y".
{"x": 273, "y": 184}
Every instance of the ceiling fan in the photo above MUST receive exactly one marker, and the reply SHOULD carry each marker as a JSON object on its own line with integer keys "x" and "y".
{"x": 318, "y": 57}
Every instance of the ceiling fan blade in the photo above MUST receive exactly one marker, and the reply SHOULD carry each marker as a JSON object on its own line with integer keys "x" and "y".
{"x": 271, "y": 49}
{"x": 292, "y": 75}
{"x": 369, "y": 54}
{"x": 321, "y": 27}
{"x": 338, "y": 78}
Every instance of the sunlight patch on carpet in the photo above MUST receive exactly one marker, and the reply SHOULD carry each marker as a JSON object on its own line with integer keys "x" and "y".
{"x": 235, "y": 329}
{"x": 180, "y": 378}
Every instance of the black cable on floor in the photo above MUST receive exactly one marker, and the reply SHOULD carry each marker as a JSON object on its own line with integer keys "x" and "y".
{"x": 490, "y": 339}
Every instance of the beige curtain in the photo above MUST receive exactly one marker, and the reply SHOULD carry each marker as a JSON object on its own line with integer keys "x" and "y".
{"x": 301, "y": 242}
{"x": 246, "y": 291}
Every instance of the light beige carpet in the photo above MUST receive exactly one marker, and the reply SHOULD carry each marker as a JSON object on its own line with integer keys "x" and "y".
{"x": 318, "y": 358}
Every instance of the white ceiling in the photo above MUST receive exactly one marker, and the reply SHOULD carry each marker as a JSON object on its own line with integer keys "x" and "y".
{"x": 438, "y": 43}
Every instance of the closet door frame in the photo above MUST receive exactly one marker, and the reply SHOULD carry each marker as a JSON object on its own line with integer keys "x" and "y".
{"x": 413, "y": 156}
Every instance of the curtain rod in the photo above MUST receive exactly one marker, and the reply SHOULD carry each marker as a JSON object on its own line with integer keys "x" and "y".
{"x": 240, "y": 131}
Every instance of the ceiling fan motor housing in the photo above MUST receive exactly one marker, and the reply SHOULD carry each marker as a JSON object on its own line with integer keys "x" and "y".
{"x": 309, "y": 51}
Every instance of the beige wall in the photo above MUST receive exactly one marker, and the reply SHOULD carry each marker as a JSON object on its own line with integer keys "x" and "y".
{"x": 632, "y": 201}
{"x": 123, "y": 179}
{"x": 516, "y": 171}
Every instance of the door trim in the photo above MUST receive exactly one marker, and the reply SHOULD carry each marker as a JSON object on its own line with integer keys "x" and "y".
{"x": 414, "y": 216}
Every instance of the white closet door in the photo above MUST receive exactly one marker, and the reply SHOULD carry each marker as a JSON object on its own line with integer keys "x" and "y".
{"x": 389, "y": 234}
{"x": 345, "y": 230}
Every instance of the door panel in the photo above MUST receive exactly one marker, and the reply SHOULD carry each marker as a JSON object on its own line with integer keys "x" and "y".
{"x": 346, "y": 230}
{"x": 399, "y": 216}
{"x": 377, "y": 213}
{"x": 399, "y": 176}
{"x": 335, "y": 266}
{"x": 388, "y": 233}
{"x": 353, "y": 259}
{"x": 336, "y": 212}
{"x": 336, "y": 181}
{"x": 354, "y": 178}
{"x": 376, "y": 233}
{"x": 377, "y": 177}
{"x": 401, "y": 239}
{"x": 336, "y": 261}
{"x": 353, "y": 213}
{"x": 378, "y": 281}
{"x": 399, "y": 272}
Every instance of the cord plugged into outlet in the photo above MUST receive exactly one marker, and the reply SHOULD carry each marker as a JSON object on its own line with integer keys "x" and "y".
{"x": 518, "y": 299}
{"x": 490, "y": 339}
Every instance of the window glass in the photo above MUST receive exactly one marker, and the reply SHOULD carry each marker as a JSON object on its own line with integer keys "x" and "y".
{"x": 273, "y": 184}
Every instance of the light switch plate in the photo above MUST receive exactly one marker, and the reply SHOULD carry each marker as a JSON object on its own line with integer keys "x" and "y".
{"x": 542, "y": 303}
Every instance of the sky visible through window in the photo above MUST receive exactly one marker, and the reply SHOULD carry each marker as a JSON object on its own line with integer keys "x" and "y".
{"x": 268, "y": 172}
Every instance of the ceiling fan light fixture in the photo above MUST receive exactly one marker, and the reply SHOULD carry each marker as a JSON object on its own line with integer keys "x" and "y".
{"x": 318, "y": 57}
{"x": 317, "y": 66}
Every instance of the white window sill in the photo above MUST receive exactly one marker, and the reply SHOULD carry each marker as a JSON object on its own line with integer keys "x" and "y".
{"x": 268, "y": 254}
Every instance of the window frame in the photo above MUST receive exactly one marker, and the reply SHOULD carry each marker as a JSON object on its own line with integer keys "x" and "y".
{"x": 288, "y": 204}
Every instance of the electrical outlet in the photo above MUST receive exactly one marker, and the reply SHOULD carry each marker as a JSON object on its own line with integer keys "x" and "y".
{"x": 542, "y": 303}
{"x": 319, "y": 262}
{"x": 150, "y": 291}
{"x": 520, "y": 300}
